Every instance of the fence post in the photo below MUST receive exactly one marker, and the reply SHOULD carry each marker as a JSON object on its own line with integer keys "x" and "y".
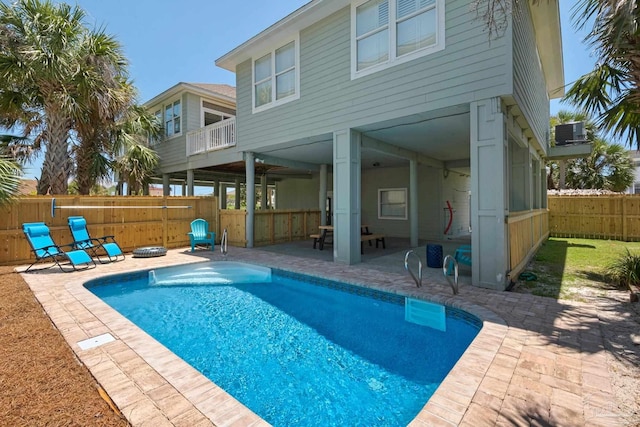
{"x": 165, "y": 223}
{"x": 624, "y": 218}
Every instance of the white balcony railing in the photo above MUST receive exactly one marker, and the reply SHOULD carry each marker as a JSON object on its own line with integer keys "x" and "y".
{"x": 213, "y": 137}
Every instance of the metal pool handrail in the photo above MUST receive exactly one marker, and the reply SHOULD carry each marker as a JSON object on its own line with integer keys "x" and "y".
{"x": 446, "y": 266}
{"x": 224, "y": 242}
{"x": 417, "y": 279}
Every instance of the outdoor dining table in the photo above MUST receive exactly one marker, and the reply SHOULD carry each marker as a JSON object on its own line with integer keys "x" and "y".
{"x": 328, "y": 230}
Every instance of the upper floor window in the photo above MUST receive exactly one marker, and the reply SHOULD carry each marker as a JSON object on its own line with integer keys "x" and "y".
{"x": 389, "y": 32}
{"x": 172, "y": 116}
{"x": 276, "y": 77}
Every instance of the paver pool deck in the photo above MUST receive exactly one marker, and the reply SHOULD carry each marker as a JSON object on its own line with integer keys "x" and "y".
{"x": 536, "y": 361}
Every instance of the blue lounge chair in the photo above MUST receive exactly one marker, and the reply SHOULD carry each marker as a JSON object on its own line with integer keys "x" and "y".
{"x": 100, "y": 247}
{"x": 45, "y": 250}
{"x": 200, "y": 234}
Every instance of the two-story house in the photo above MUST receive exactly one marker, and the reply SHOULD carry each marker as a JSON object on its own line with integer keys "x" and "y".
{"x": 419, "y": 124}
{"x": 198, "y": 119}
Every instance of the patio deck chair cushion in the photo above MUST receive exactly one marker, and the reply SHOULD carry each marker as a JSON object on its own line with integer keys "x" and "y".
{"x": 200, "y": 234}
{"x": 463, "y": 255}
{"x": 46, "y": 250}
{"x": 99, "y": 247}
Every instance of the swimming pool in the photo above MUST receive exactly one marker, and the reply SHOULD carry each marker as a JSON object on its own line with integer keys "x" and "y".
{"x": 296, "y": 350}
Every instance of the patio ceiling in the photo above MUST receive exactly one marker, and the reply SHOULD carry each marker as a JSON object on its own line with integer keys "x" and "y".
{"x": 443, "y": 136}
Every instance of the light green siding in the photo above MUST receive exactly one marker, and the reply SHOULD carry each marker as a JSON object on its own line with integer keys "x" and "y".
{"x": 172, "y": 150}
{"x": 528, "y": 79}
{"x": 470, "y": 67}
{"x": 298, "y": 193}
{"x": 192, "y": 113}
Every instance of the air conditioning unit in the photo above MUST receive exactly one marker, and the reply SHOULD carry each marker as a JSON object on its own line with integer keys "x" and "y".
{"x": 570, "y": 133}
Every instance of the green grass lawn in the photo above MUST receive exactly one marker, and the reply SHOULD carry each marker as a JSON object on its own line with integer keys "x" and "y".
{"x": 574, "y": 269}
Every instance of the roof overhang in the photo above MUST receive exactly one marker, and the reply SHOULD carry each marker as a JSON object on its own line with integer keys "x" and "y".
{"x": 187, "y": 87}
{"x": 570, "y": 151}
{"x": 546, "y": 23}
{"x": 280, "y": 32}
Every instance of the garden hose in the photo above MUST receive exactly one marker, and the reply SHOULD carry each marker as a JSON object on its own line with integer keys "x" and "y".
{"x": 527, "y": 276}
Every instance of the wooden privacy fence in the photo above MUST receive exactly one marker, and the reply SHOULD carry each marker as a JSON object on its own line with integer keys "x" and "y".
{"x": 611, "y": 216}
{"x": 527, "y": 230}
{"x": 270, "y": 226}
{"x": 148, "y": 225}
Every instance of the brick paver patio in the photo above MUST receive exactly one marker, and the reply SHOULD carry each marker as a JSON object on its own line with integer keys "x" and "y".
{"x": 536, "y": 361}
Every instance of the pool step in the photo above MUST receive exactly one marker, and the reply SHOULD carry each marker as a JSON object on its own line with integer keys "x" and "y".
{"x": 210, "y": 273}
{"x": 425, "y": 313}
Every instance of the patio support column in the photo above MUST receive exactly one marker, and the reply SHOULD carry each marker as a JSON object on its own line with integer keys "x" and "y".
{"x": 166, "y": 185}
{"x": 322, "y": 199}
{"x": 413, "y": 202}
{"x": 489, "y": 197}
{"x": 223, "y": 196}
{"x": 184, "y": 188}
{"x": 216, "y": 191}
{"x": 237, "y": 199}
{"x": 249, "y": 160}
{"x": 346, "y": 193}
{"x": 189, "y": 182}
{"x": 263, "y": 192}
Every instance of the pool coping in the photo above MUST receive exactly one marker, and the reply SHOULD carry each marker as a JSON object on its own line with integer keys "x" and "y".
{"x": 152, "y": 386}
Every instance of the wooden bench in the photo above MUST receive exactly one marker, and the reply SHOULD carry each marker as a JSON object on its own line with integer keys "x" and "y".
{"x": 379, "y": 238}
{"x": 316, "y": 239}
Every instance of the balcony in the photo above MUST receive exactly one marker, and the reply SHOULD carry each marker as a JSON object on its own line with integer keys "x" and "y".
{"x": 216, "y": 136}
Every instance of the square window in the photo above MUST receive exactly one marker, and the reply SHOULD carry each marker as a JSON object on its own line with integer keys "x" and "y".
{"x": 275, "y": 77}
{"x": 172, "y": 118}
{"x": 263, "y": 93}
{"x": 392, "y": 203}
{"x": 263, "y": 68}
{"x": 389, "y": 32}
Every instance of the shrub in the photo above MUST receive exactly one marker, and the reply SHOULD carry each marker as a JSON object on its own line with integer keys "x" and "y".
{"x": 625, "y": 271}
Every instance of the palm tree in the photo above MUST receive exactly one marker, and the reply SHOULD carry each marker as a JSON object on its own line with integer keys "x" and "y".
{"x": 62, "y": 71}
{"x": 611, "y": 92}
{"x": 18, "y": 148}
{"x": 135, "y": 167}
{"x": 609, "y": 167}
{"x": 556, "y": 177}
{"x": 97, "y": 138}
{"x": 137, "y": 161}
{"x": 10, "y": 172}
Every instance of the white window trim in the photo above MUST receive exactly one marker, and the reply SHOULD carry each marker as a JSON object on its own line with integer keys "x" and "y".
{"x": 393, "y": 60}
{"x": 406, "y": 204}
{"x": 164, "y": 119}
{"x": 274, "y": 102}
{"x": 204, "y": 110}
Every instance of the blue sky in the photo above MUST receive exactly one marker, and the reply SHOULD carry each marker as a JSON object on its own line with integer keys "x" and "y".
{"x": 167, "y": 43}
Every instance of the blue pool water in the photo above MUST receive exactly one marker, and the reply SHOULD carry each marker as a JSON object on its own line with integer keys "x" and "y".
{"x": 294, "y": 352}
